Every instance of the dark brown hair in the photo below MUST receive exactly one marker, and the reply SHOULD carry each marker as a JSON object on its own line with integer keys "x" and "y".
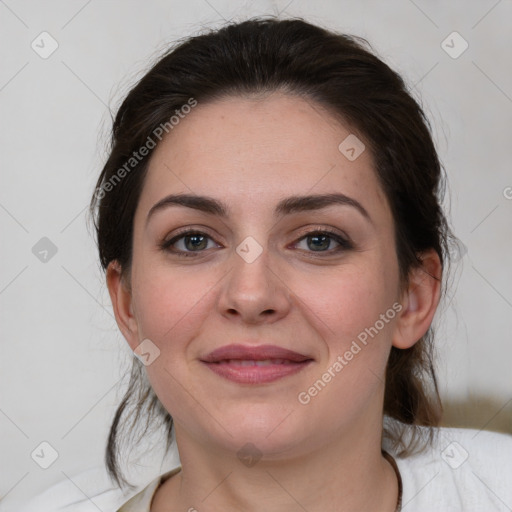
{"x": 340, "y": 73}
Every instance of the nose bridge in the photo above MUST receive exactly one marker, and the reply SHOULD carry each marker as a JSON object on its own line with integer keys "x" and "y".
{"x": 252, "y": 289}
{"x": 250, "y": 268}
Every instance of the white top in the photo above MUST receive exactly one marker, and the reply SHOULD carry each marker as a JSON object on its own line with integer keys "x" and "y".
{"x": 465, "y": 470}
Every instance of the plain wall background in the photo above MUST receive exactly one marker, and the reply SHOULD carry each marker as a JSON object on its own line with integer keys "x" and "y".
{"x": 62, "y": 356}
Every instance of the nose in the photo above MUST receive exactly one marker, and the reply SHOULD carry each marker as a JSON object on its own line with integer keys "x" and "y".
{"x": 254, "y": 291}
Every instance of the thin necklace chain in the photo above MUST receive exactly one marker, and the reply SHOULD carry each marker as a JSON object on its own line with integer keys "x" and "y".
{"x": 391, "y": 460}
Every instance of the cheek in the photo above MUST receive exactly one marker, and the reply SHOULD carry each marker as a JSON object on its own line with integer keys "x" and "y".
{"x": 168, "y": 303}
{"x": 347, "y": 302}
{"x": 355, "y": 316}
{"x": 172, "y": 309}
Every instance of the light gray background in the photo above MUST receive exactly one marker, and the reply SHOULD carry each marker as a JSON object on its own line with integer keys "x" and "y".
{"x": 61, "y": 355}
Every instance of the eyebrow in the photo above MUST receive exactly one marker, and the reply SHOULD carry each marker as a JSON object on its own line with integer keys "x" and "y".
{"x": 286, "y": 206}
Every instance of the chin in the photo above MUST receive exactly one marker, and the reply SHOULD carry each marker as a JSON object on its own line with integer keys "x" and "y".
{"x": 271, "y": 429}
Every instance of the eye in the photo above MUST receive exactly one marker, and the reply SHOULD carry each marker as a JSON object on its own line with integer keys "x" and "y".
{"x": 322, "y": 240}
{"x": 192, "y": 242}
{"x": 187, "y": 243}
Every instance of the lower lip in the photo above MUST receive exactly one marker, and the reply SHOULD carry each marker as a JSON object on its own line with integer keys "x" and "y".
{"x": 256, "y": 374}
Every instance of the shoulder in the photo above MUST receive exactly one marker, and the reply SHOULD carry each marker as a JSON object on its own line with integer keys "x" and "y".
{"x": 141, "y": 502}
{"x": 462, "y": 469}
{"x": 88, "y": 491}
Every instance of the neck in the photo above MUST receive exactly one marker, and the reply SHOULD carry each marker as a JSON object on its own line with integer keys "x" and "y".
{"x": 347, "y": 474}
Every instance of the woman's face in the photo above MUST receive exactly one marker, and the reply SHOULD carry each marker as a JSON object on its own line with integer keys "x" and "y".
{"x": 254, "y": 277}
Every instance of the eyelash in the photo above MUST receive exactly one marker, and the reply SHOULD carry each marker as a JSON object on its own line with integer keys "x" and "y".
{"x": 344, "y": 244}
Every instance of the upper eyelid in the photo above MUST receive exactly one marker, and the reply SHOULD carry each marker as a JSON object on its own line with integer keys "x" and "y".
{"x": 314, "y": 229}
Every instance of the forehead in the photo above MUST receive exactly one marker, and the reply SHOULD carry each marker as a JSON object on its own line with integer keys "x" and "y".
{"x": 260, "y": 148}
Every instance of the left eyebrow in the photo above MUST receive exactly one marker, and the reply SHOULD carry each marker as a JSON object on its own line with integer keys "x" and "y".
{"x": 317, "y": 202}
{"x": 286, "y": 206}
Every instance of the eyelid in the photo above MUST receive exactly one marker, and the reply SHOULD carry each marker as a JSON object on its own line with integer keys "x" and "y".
{"x": 311, "y": 229}
{"x": 199, "y": 228}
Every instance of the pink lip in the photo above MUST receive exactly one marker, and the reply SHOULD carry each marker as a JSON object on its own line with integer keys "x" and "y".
{"x": 239, "y": 363}
{"x": 254, "y": 353}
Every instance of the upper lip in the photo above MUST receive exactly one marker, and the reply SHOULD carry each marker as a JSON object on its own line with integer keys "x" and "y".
{"x": 253, "y": 353}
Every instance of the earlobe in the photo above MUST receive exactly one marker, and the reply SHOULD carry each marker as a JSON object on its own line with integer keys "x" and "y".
{"x": 121, "y": 298}
{"x": 420, "y": 301}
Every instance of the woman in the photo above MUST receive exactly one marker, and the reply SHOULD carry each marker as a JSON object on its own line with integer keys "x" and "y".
{"x": 269, "y": 221}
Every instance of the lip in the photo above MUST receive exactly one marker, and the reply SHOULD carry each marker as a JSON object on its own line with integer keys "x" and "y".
{"x": 255, "y": 364}
{"x": 254, "y": 353}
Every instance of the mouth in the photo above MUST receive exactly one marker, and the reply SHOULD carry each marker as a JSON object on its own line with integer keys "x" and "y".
{"x": 255, "y": 364}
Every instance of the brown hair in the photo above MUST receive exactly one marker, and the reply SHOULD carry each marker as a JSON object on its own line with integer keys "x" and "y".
{"x": 340, "y": 73}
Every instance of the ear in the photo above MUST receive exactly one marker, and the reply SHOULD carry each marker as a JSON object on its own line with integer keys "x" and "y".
{"x": 419, "y": 301}
{"x": 121, "y": 297}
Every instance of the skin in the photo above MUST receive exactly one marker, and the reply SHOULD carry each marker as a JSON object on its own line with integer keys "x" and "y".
{"x": 250, "y": 153}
